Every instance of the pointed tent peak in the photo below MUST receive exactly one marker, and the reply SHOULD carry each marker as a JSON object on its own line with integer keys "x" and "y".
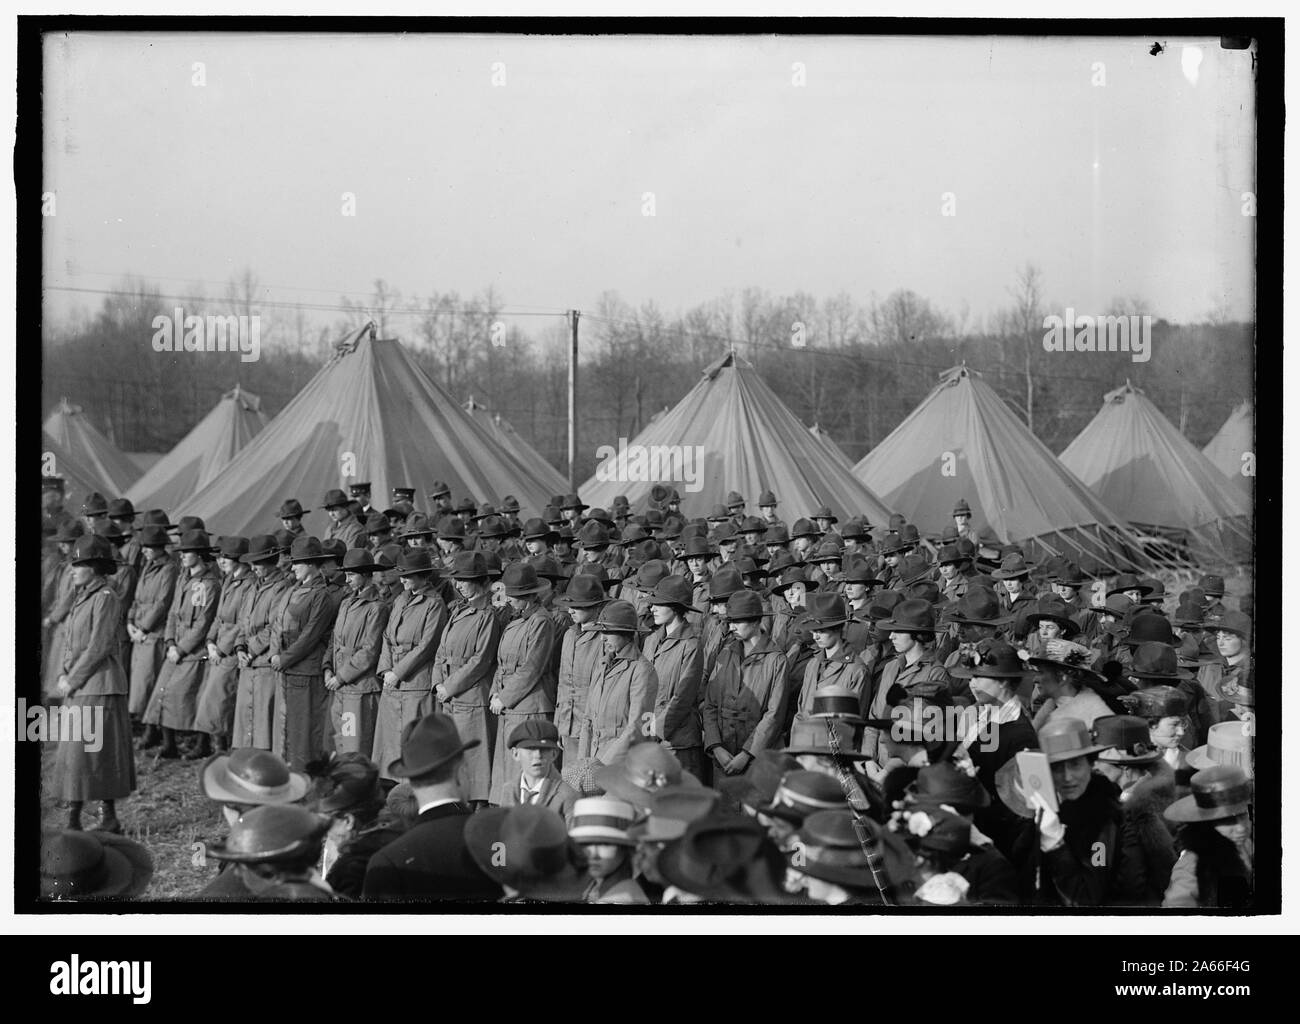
{"x": 1119, "y": 394}
{"x": 66, "y": 408}
{"x": 732, "y": 359}
{"x": 956, "y": 374}
{"x": 472, "y": 405}
{"x": 246, "y": 400}
{"x": 348, "y": 344}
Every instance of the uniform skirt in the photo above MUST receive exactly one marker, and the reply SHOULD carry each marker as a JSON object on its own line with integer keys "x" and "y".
{"x": 216, "y": 705}
{"x": 175, "y": 697}
{"x": 254, "y": 720}
{"x": 54, "y": 660}
{"x": 397, "y": 709}
{"x": 473, "y": 723}
{"x": 303, "y": 719}
{"x": 353, "y": 715}
{"x": 95, "y": 759}
{"x": 145, "y": 664}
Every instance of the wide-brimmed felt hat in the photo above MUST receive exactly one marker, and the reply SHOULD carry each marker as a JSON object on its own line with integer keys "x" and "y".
{"x": 776, "y": 536}
{"x": 520, "y": 580}
{"x": 894, "y": 544}
{"x": 860, "y": 570}
{"x": 1013, "y": 567}
{"x": 547, "y": 568}
{"x": 334, "y": 498}
{"x": 1071, "y": 576}
{"x": 427, "y": 744}
{"x": 272, "y": 832}
{"x": 801, "y": 793}
{"x": 753, "y": 524}
{"x": 673, "y": 591}
{"x": 1064, "y": 739}
{"x": 1053, "y": 609}
{"x": 528, "y": 849}
{"x": 1224, "y": 791}
{"x": 837, "y": 701}
{"x": 617, "y": 617}
{"x": 1212, "y": 585}
{"x": 234, "y": 548}
{"x": 1156, "y": 661}
{"x": 1127, "y": 740}
{"x": 77, "y": 865}
{"x": 1227, "y": 743}
{"x": 962, "y": 508}
{"x": 121, "y": 508}
{"x": 248, "y": 775}
{"x": 377, "y": 523}
{"x": 1157, "y": 702}
{"x": 992, "y": 659}
{"x": 261, "y": 548}
{"x": 451, "y": 528}
{"x": 1233, "y": 622}
{"x": 649, "y": 573}
{"x": 158, "y": 517}
{"x": 978, "y": 607}
{"x": 950, "y": 554}
{"x": 593, "y": 536}
{"x": 585, "y": 590}
{"x": 195, "y": 540}
{"x": 646, "y": 769}
{"x": 811, "y": 737}
{"x": 415, "y": 562}
{"x": 492, "y": 526}
{"x": 1118, "y": 605}
{"x": 804, "y": 528}
{"x": 1128, "y": 581}
{"x": 671, "y": 812}
{"x": 153, "y": 537}
{"x": 188, "y": 524}
{"x": 826, "y": 552}
{"x": 69, "y": 530}
{"x": 1075, "y": 662}
{"x": 792, "y": 575}
{"x": 826, "y": 610}
{"x": 538, "y": 529}
{"x": 93, "y": 550}
{"x": 833, "y": 851}
{"x": 484, "y": 510}
{"x": 744, "y": 606}
{"x": 945, "y": 783}
{"x": 307, "y": 549}
{"x": 909, "y": 616}
{"x": 725, "y": 856}
{"x": 569, "y": 501}
{"x": 291, "y": 509}
{"x": 359, "y": 560}
{"x": 94, "y": 505}
{"x": 725, "y": 582}
{"x": 824, "y": 512}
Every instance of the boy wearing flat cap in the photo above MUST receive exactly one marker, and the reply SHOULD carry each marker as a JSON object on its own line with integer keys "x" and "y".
{"x": 535, "y": 745}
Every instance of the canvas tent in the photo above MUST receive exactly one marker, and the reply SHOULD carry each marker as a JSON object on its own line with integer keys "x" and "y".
{"x": 963, "y": 442}
{"x": 834, "y": 450}
{"x": 200, "y": 454}
{"x": 513, "y": 441}
{"x": 1143, "y": 467}
{"x": 88, "y": 448}
{"x": 78, "y": 478}
{"x": 731, "y": 432}
{"x": 1235, "y": 439}
{"x": 371, "y": 413}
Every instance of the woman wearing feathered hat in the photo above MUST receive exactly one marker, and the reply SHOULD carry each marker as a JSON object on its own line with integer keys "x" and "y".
{"x": 95, "y": 762}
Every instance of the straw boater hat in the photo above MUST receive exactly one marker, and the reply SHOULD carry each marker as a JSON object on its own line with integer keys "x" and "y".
{"x": 602, "y": 819}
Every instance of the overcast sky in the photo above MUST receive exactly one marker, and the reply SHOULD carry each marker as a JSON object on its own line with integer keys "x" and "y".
{"x": 535, "y": 186}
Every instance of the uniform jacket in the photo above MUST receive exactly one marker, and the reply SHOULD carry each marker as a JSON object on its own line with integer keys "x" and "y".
{"x": 153, "y": 597}
{"x": 224, "y": 631}
{"x": 411, "y": 637}
{"x": 430, "y": 862}
{"x": 193, "y": 609}
{"x": 90, "y": 641}
{"x": 350, "y": 532}
{"x": 523, "y": 677}
{"x": 842, "y": 670}
{"x": 259, "y": 613}
{"x": 580, "y": 657}
{"x": 466, "y": 657}
{"x": 678, "y": 662}
{"x": 301, "y": 628}
{"x": 623, "y": 692}
{"x": 745, "y": 697}
{"x": 926, "y": 668}
{"x": 358, "y": 635}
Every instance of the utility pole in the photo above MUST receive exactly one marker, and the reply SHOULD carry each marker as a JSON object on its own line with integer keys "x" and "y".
{"x": 573, "y": 400}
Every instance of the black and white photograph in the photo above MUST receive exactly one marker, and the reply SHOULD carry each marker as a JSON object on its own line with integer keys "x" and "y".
{"x": 538, "y": 469}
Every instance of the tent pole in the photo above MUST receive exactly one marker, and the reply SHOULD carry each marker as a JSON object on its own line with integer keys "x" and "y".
{"x": 573, "y": 400}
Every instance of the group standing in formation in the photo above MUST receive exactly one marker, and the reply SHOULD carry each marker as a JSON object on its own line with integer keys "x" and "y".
{"x": 637, "y": 706}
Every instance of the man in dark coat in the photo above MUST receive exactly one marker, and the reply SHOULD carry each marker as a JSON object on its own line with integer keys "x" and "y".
{"x": 431, "y": 861}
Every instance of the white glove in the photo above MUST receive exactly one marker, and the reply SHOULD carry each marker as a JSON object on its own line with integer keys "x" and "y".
{"x": 1051, "y": 832}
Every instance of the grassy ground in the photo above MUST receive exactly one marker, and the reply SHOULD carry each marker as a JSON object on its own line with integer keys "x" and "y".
{"x": 167, "y": 813}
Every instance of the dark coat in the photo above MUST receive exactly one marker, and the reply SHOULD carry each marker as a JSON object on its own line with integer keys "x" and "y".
{"x": 348, "y": 873}
{"x": 430, "y": 862}
{"x": 1083, "y": 870}
{"x": 1144, "y": 877}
